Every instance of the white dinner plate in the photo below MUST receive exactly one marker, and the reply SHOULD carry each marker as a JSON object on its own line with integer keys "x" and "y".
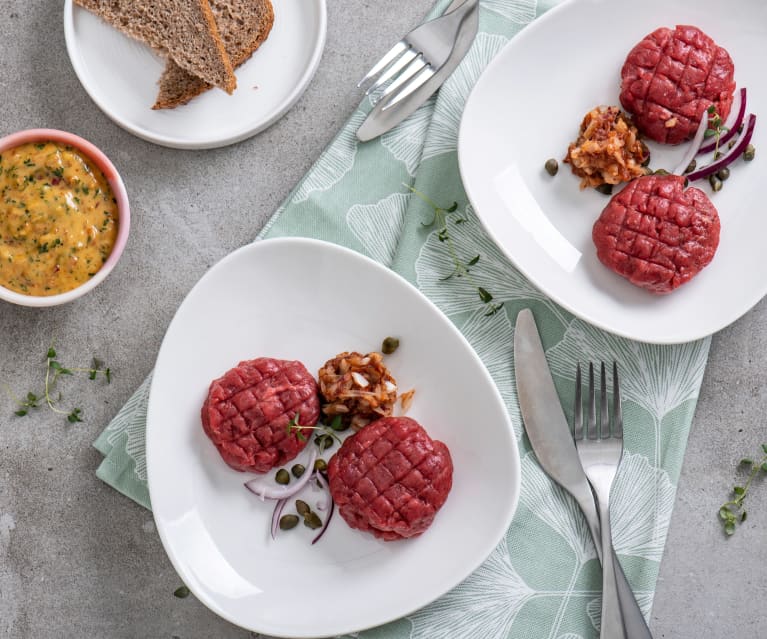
{"x": 121, "y": 75}
{"x": 304, "y": 299}
{"x": 527, "y": 107}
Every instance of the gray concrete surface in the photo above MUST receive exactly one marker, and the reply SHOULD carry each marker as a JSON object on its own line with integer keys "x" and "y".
{"x": 79, "y": 560}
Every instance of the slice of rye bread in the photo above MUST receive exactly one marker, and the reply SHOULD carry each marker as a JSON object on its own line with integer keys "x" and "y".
{"x": 182, "y": 29}
{"x": 243, "y": 25}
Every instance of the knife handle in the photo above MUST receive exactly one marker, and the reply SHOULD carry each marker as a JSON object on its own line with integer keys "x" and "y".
{"x": 633, "y": 619}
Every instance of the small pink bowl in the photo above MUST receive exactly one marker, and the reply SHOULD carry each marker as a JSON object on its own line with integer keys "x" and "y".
{"x": 121, "y": 195}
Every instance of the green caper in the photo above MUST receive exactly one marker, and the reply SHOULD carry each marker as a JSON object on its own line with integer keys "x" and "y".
{"x": 691, "y": 166}
{"x": 717, "y": 155}
{"x": 302, "y": 508}
{"x": 607, "y": 189}
{"x": 731, "y": 144}
{"x": 321, "y": 465}
{"x": 660, "y": 172}
{"x": 715, "y": 182}
{"x": 312, "y": 520}
{"x": 282, "y": 477}
{"x": 297, "y": 470}
{"x": 551, "y": 166}
{"x": 749, "y": 153}
{"x": 389, "y": 345}
{"x": 288, "y": 521}
{"x": 723, "y": 174}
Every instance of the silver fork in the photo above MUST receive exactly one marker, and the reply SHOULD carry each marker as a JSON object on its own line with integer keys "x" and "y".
{"x": 417, "y": 57}
{"x": 600, "y": 450}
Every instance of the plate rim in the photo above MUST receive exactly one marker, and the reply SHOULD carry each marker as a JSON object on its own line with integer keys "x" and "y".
{"x": 212, "y": 142}
{"x": 702, "y": 332}
{"x": 511, "y": 502}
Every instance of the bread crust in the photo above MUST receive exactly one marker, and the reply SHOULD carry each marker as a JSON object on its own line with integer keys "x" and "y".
{"x": 178, "y": 87}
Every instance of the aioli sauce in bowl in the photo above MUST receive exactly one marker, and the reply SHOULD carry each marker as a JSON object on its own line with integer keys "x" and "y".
{"x": 58, "y": 218}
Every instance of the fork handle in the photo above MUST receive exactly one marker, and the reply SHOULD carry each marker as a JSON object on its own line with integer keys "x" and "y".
{"x": 612, "y": 615}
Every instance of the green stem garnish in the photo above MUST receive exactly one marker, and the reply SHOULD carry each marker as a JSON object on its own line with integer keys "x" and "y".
{"x": 732, "y": 512}
{"x": 294, "y": 427}
{"x": 715, "y": 128}
{"x": 53, "y": 371}
{"x": 460, "y": 268}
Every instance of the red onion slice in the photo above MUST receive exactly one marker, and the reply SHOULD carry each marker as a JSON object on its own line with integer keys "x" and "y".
{"x": 732, "y": 124}
{"x": 692, "y": 151}
{"x": 267, "y": 489}
{"x": 276, "y": 516}
{"x": 729, "y": 157}
{"x": 323, "y": 482}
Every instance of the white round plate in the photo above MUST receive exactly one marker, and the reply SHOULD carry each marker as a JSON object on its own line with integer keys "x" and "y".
{"x": 527, "y": 107}
{"x": 121, "y": 75}
{"x": 304, "y": 299}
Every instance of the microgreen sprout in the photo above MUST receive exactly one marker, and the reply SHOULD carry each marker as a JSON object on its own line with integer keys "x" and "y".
{"x": 732, "y": 512}
{"x": 460, "y": 268}
{"x": 54, "y": 370}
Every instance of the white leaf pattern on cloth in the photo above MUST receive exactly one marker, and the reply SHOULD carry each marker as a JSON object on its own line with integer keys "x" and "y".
{"x": 641, "y": 503}
{"x": 130, "y": 423}
{"x": 482, "y": 607}
{"x": 493, "y": 339}
{"x": 378, "y": 226}
{"x": 334, "y": 163}
{"x": 556, "y": 508}
{"x": 405, "y": 142}
{"x": 443, "y": 136}
{"x": 457, "y": 295}
{"x": 658, "y": 378}
{"x": 517, "y": 11}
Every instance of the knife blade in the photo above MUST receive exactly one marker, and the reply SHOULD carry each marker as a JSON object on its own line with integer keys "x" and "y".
{"x": 379, "y": 121}
{"x": 549, "y": 434}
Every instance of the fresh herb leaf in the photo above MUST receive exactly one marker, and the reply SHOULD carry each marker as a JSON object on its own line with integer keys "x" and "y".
{"x": 733, "y": 512}
{"x": 460, "y": 268}
{"x": 50, "y": 394}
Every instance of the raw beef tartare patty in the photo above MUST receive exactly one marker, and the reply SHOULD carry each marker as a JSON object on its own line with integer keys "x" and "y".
{"x": 248, "y": 409}
{"x": 656, "y": 233}
{"x": 671, "y": 77}
{"x": 390, "y": 478}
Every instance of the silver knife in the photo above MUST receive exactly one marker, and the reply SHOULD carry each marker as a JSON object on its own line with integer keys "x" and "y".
{"x": 551, "y": 439}
{"x": 379, "y": 121}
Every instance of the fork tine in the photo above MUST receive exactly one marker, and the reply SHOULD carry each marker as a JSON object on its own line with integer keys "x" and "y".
{"x": 417, "y": 82}
{"x": 412, "y": 69}
{"x": 398, "y": 49}
{"x": 400, "y": 63}
{"x": 592, "y": 414}
{"x": 617, "y": 411}
{"x": 604, "y": 417}
{"x": 578, "y": 408}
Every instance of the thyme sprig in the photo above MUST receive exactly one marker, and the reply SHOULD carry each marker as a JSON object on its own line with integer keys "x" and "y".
{"x": 715, "y": 128}
{"x": 49, "y": 396}
{"x": 732, "y": 512}
{"x": 460, "y": 268}
{"x": 327, "y": 431}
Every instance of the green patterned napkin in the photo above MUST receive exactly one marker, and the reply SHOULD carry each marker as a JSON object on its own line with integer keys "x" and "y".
{"x": 543, "y": 580}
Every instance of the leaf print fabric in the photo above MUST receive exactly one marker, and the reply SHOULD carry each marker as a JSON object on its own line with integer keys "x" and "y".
{"x": 543, "y": 581}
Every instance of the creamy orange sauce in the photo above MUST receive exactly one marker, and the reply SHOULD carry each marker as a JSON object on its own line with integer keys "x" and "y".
{"x": 58, "y": 218}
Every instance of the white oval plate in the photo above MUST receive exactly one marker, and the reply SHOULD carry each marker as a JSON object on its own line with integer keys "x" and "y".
{"x": 121, "y": 75}
{"x": 527, "y": 107}
{"x": 309, "y": 300}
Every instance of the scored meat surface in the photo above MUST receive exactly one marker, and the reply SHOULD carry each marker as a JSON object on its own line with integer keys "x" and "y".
{"x": 671, "y": 77}
{"x": 248, "y": 411}
{"x": 656, "y": 233}
{"x": 390, "y": 478}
